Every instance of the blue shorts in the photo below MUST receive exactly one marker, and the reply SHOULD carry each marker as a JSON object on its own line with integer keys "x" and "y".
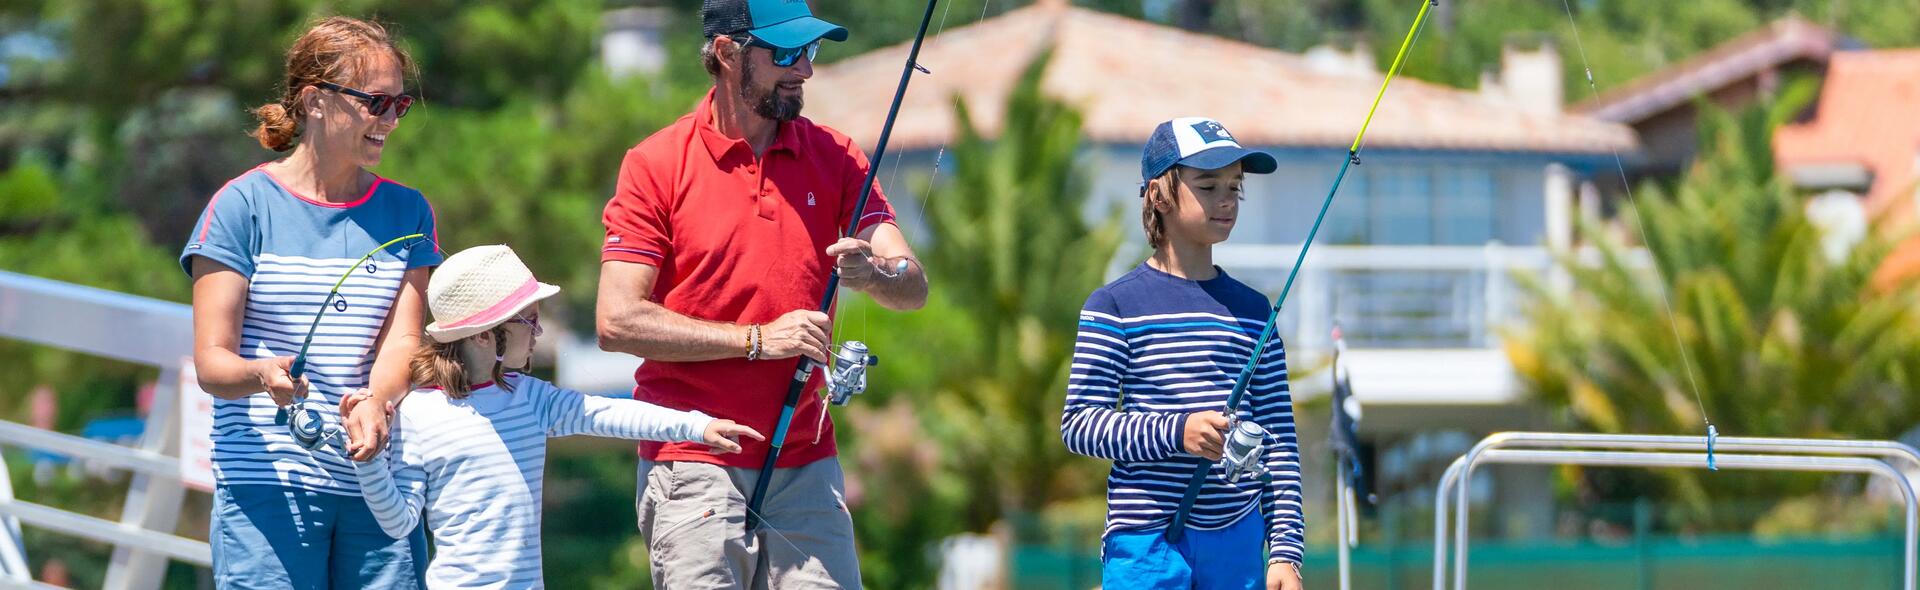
{"x": 267, "y": 536}
{"x": 1230, "y": 558}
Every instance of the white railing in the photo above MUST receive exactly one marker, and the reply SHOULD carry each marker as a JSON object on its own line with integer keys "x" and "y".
{"x": 1622, "y": 450}
{"x": 128, "y": 328}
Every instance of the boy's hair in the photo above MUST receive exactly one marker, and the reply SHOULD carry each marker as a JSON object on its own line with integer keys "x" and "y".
{"x": 443, "y": 365}
{"x": 1160, "y": 189}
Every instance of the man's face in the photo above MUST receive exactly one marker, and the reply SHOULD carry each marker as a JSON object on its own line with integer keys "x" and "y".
{"x": 774, "y": 92}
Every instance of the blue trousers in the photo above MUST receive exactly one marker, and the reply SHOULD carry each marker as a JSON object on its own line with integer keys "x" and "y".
{"x": 268, "y": 536}
{"x": 1230, "y": 558}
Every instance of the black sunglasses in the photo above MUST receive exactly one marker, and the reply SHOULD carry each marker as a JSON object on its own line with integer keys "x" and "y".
{"x": 377, "y": 103}
{"x": 783, "y": 56}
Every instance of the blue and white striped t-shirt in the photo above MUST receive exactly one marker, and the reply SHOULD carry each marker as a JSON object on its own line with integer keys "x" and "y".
{"x": 1154, "y": 348}
{"x": 477, "y": 466}
{"x": 292, "y": 249}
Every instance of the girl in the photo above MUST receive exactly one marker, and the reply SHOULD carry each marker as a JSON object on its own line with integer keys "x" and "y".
{"x": 471, "y": 443}
{"x": 264, "y": 258}
{"x": 1158, "y": 352}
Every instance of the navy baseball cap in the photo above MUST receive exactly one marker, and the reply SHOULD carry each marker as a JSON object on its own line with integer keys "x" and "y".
{"x": 1198, "y": 142}
{"x": 781, "y": 23}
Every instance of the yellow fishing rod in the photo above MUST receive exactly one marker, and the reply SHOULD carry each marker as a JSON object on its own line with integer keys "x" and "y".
{"x": 1244, "y": 459}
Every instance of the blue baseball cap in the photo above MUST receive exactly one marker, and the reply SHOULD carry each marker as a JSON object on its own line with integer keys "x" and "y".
{"x": 781, "y": 23}
{"x": 1198, "y": 142}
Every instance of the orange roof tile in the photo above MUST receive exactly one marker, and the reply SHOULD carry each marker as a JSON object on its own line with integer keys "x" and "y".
{"x": 1868, "y": 114}
{"x": 1128, "y": 76}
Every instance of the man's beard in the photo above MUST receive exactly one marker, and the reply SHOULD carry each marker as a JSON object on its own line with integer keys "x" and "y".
{"x": 767, "y": 103}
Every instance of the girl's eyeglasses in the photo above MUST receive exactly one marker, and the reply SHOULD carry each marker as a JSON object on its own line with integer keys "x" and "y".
{"x": 533, "y": 322}
{"x": 377, "y": 103}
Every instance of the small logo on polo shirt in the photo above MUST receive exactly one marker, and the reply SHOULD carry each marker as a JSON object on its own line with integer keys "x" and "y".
{"x": 809, "y": 198}
{"x": 613, "y": 239}
{"x": 1212, "y": 131}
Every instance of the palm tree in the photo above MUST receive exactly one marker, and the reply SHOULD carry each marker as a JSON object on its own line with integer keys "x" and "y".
{"x": 1783, "y": 338}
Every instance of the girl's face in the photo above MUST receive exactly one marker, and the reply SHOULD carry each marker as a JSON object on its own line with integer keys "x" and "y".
{"x": 521, "y": 332}
{"x": 1207, "y": 204}
{"x": 340, "y": 125}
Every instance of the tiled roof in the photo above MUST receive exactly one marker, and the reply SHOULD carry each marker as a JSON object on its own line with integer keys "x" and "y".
{"x": 1868, "y": 114}
{"x": 1785, "y": 41}
{"x": 1128, "y": 76}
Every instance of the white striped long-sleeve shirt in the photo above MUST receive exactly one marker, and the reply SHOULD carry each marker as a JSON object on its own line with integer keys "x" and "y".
{"x": 477, "y": 465}
{"x": 1153, "y": 349}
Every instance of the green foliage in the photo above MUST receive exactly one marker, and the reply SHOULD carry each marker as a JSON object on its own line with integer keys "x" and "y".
{"x": 1783, "y": 341}
{"x": 532, "y": 173}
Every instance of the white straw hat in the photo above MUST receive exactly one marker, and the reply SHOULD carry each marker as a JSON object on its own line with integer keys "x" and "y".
{"x": 479, "y": 288}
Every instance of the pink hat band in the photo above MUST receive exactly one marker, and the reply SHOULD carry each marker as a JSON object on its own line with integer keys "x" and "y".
{"x": 512, "y": 301}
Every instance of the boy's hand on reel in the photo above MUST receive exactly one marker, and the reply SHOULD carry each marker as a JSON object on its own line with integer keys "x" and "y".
{"x": 724, "y": 435}
{"x": 275, "y": 375}
{"x": 1205, "y": 434}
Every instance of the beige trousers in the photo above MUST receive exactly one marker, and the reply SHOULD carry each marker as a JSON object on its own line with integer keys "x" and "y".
{"x": 693, "y": 516}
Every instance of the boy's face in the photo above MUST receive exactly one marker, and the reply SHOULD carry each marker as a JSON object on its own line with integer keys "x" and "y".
{"x": 1207, "y": 204}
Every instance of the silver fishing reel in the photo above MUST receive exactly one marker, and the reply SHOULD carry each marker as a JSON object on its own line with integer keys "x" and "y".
{"x": 1244, "y": 451}
{"x": 847, "y": 371}
{"x": 309, "y": 427}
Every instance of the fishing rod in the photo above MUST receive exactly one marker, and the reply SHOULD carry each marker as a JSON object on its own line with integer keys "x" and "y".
{"x": 851, "y": 360}
{"x": 1247, "y": 453}
{"x": 310, "y": 428}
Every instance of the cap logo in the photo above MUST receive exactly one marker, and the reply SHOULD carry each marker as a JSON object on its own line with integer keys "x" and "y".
{"x": 1212, "y": 131}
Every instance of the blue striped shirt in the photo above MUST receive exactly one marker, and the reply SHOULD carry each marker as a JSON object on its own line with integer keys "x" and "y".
{"x": 1154, "y": 348}
{"x": 292, "y": 250}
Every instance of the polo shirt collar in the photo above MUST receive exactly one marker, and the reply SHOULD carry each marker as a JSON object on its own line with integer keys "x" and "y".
{"x": 719, "y": 144}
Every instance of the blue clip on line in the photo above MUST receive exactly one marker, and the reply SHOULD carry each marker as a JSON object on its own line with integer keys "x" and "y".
{"x": 1712, "y": 433}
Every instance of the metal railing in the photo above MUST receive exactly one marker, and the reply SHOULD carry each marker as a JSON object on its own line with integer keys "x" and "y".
{"x": 128, "y": 328}
{"x": 1815, "y": 455}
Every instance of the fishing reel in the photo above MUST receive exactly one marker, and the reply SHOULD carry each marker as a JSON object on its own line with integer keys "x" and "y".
{"x": 847, "y": 371}
{"x": 1244, "y": 451}
{"x": 308, "y": 426}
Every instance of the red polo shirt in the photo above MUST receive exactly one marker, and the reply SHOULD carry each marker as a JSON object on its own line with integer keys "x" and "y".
{"x": 742, "y": 240}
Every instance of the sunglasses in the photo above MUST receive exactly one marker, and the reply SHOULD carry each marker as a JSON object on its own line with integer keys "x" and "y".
{"x": 786, "y": 56}
{"x": 533, "y": 322}
{"x": 377, "y": 103}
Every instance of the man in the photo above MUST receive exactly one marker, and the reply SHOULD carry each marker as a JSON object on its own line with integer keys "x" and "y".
{"x": 719, "y": 239}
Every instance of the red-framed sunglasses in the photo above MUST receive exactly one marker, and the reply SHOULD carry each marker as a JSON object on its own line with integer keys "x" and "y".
{"x": 377, "y": 103}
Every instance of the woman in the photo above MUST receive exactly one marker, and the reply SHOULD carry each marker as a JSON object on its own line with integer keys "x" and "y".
{"x": 264, "y": 259}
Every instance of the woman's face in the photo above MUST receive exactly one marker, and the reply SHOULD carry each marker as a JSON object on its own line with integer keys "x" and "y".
{"x": 340, "y": 125}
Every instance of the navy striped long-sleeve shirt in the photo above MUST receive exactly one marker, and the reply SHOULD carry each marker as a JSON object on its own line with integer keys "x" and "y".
{"x": 1154, "y": 348}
